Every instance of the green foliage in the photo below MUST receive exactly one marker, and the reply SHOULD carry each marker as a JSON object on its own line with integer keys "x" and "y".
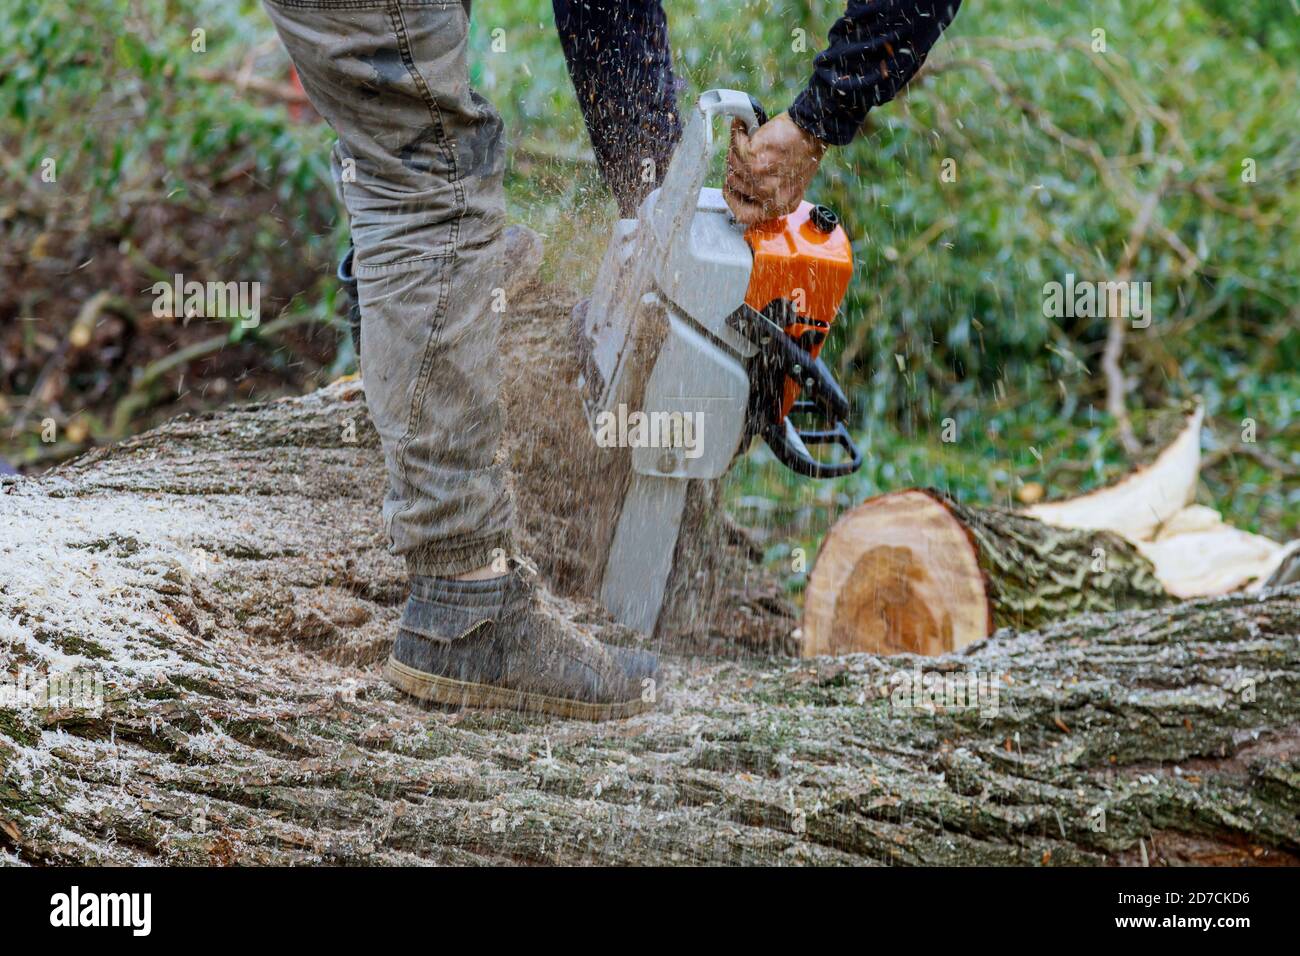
{"x": 131, "y": 112}
{"x": 1057, "y": 148}
{"x": 164, "y": 163}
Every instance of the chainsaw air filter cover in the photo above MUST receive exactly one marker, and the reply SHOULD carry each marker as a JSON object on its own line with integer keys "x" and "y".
{"x": 806, "y": 260}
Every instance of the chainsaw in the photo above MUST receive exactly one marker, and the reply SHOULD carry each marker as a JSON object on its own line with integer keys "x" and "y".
{"x": 700, "y": 335}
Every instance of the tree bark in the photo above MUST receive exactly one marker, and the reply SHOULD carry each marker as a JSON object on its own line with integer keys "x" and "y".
{"x": 226, "y": 577}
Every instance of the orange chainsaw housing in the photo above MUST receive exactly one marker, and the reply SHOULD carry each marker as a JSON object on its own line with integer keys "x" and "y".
{"x": 809, "y": 268}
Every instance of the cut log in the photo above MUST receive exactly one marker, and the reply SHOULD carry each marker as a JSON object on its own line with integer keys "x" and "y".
{"x": 1138, "y": 504}
{"x": 916, "y": 572}
{"x": 1197, "y": 554}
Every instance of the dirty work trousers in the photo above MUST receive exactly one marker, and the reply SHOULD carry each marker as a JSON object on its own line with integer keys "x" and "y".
{"x": 419, "y": 164}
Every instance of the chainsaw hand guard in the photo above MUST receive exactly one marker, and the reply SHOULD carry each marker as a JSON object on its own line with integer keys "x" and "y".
{"x": 781, "y": 361}
{"x": 790, "y": 445}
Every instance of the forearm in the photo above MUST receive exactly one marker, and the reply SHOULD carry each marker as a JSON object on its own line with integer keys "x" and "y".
{"x": 619, "y": 60}
{"x": 873, "y": 51}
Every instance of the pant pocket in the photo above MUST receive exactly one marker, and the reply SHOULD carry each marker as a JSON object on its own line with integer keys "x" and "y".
{"x": 391, "y": 78}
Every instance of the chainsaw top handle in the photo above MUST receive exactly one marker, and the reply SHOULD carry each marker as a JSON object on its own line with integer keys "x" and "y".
{"x": 679, "y": 193}
{"x": 742, "y": 106}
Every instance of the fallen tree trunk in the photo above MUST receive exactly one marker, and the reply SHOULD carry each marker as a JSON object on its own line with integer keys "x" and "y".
{"x": 914, "y": 571}
{"x": 226, "y": 579}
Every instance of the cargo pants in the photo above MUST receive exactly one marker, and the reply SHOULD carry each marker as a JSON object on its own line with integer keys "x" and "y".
{"x": 419, "y": 165}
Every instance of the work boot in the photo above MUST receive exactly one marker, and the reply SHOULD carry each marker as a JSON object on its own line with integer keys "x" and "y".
{"x": 489, "y": 644}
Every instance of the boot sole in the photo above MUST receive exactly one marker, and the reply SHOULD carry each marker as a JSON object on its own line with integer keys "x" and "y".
{"x": 454, "y": 693}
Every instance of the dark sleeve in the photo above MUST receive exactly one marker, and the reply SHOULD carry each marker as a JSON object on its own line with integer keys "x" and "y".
{"x": 622, "y": 69}
{"x": 875, "y": 48}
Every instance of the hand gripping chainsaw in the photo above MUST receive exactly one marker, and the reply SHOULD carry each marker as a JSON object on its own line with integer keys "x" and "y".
{"x": 700, "y": 335}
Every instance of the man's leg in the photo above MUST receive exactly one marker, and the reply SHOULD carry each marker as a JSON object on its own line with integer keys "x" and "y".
{"x": 419, "y": 162}
{"x": 621, "y": 65}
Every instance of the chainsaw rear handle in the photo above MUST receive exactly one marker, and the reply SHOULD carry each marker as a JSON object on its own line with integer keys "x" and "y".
{"x": 827, "y": 400}
{"x": 786, "y": 358}
{"x": 821, "y": 396}
{"x": 813, "y": 376}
